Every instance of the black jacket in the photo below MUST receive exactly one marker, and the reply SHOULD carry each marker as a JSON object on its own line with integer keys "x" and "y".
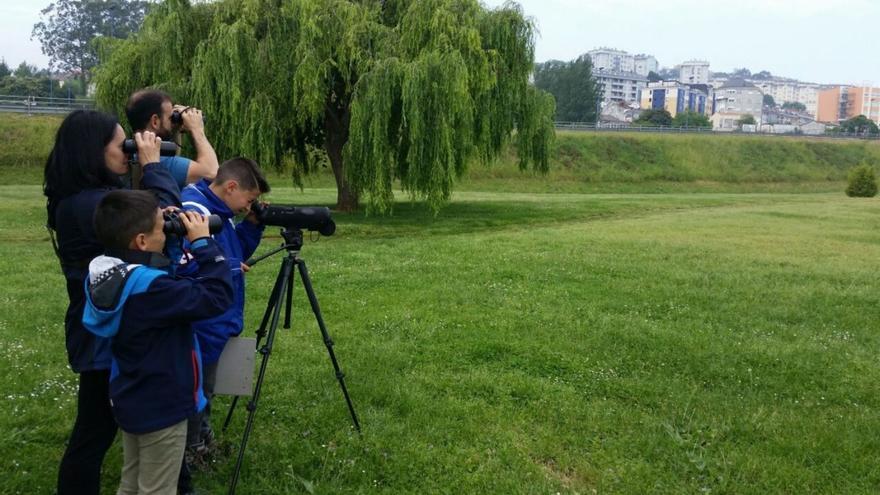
{"x": 77, "y": 245}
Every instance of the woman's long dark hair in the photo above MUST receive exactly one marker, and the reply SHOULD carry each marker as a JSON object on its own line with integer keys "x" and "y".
{"x": 77, "y": 160}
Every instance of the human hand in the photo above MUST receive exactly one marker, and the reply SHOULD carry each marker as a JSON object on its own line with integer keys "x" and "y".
{"x": 193, "y": 120}
{"x": 196, "y": 225}
{"x": 245, "y": 268}
{"x": 252, "y": 215}
{"x": 169, "y": 209}
{"x": 149, "y": 146}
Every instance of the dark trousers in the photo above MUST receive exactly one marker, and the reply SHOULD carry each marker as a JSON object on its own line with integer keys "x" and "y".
{"x": 93, "y": 433}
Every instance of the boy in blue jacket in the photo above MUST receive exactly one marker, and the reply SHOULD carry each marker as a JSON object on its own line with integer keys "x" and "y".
{"x": 238, "y": 184}
{"x": 155, "y": 369}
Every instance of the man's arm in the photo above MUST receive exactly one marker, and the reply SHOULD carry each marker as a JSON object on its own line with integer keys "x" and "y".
{"x": 205, "y": 164}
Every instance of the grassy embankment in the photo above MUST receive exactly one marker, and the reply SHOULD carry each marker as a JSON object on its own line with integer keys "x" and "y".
{"x": 581, "y": 162}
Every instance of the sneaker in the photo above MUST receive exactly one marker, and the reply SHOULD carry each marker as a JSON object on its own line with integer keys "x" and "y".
{"x": 196, "y": 457}
{"x": 209, "y": 440}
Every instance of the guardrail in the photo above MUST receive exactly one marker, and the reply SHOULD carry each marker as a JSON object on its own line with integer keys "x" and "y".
{"x": 43, "y": 104}
{"x": 592, "y": 127}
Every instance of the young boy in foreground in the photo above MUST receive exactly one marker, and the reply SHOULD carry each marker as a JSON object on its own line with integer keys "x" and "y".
{"x": 155, "y": 377}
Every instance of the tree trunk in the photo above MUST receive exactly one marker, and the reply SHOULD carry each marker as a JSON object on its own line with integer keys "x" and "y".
{"x": 346, "y": 197}
{"x": 337, "y": 116}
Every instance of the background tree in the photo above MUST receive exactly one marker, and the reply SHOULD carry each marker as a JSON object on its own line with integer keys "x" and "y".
{"x": 741, "y": 73}
{"x": 395, "y": 90}
{"x": 667, "y": 74}
{"x": 763, "y": 75}
{"x": 746, "y": 119}
{"x": 654, "y": 77}
{"x": 27, "y": 80}
{"x": 4, "y": 69}
{"x": 689, "y": 118}
{"x": 572, "y": 85}
{"x": 860, "y": 125}
{"x": 68, "y": 28}
{"x": 769, "y": 101}
{"x": 795, "y": 106}
{"x": 654, "y": 117}
{"x": 25, "y": 70}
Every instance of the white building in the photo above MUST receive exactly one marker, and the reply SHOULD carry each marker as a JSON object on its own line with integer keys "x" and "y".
{"x": 619, "y": 86}
{"x": 791, "y": 91}
{"x": 645, "y": 64}
{"x": 694, "y": 72}
{"x": 612, "y": 60}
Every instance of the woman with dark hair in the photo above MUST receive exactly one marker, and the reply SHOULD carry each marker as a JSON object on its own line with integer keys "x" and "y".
{"x": 85, "y": 164}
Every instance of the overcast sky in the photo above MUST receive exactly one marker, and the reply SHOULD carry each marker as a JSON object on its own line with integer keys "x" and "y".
{"x": 824, "y": 41}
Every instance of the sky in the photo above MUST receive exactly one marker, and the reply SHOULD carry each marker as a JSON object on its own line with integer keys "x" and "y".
{"x": 822, "y": 41}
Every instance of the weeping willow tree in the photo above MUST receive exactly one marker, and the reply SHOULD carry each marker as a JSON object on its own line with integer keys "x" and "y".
{"x": 396, "y": 90}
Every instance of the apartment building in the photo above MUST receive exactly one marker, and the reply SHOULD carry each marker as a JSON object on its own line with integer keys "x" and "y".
{"x": 839, "y": 103}
{"x": 733, "y": 100}
{"x": 674, "y": 97}
{"x": 619, "y": 86}
{"x": 791, "y": 91}
{"x": 694, "y": 72}
{"x": 645, "y": 64}
{"x": 614, "y": 60}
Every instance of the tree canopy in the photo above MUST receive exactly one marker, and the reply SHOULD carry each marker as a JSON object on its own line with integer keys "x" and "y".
{"x": 689, "y": 118}
{"x": 860, "y": 125}
{"x": 395, "y": 90}
{"x": 28, "y": 80}
{"x": 654, "y": 117}
{"x": 572, "y": 85}
{"x": 769, "y": 101}
{"x": 68, "y": 30}
{"x": 794, "y": 105}
{"x": 747, "y": 119}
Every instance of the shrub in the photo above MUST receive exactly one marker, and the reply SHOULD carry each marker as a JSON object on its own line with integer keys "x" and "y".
{"x": 862, "y": 182}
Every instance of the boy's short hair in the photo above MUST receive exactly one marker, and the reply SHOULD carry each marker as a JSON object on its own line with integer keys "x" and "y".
{"x": 122, "y": 215}
{"x": 142, "y": 105}
{"x": 244, "y": 171}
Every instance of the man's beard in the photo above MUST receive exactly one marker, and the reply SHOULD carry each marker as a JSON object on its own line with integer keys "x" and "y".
{"x": 169, "y": 134}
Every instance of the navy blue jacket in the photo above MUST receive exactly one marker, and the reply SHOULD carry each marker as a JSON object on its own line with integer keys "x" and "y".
{"x": 155, "y": 377}
{"x": 238, "y": 243}
{"x": 77, "y": 245}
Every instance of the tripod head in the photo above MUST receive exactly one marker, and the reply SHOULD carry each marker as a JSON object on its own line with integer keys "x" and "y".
{"x": 293, "y": 239}
{"x": 293, "y": 243}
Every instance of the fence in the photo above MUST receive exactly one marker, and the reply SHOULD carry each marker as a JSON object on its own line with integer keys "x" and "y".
{"x": 43, "y": 104}
{"x": 593, "y": 127}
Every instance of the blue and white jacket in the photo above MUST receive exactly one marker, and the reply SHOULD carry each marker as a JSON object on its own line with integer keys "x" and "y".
{"x": 155, "y": 370}
{"x": 238, "y": 243}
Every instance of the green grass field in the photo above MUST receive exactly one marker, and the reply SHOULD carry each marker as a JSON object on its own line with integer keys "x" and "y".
{"x": 525, "y": 343}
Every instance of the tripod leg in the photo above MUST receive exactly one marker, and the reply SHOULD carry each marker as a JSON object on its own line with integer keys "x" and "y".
{"x": 289, "y": 301}
{"x": 274, "y": 301}
{"x": 266, "y": 351}
{"x": 328, "y": 342}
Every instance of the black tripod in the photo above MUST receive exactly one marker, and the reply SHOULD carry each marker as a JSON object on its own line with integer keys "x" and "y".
{"x": 293, "y": 241}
